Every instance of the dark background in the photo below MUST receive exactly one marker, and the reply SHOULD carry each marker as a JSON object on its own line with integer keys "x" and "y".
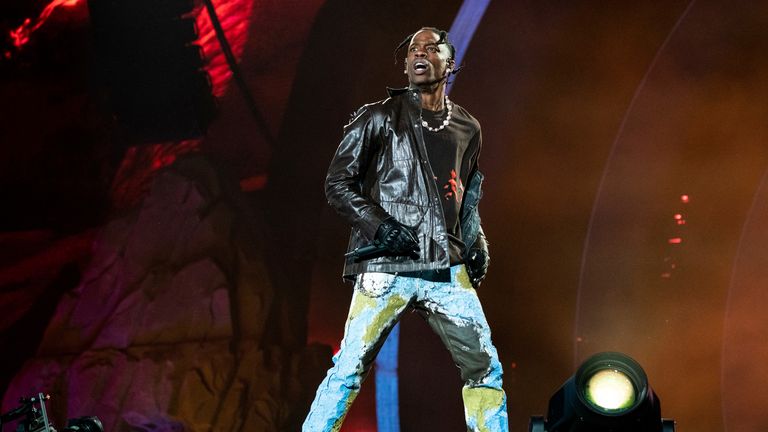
{"x": 597, "y": 118}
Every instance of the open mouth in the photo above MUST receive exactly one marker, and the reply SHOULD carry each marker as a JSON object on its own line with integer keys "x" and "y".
{"x": 420, "y": 67}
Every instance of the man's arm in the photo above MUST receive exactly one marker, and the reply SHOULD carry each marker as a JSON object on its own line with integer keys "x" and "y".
{"x": 347, "y": 171}
{"x": 477, "y": 257}
{"x": 480, "y": 243}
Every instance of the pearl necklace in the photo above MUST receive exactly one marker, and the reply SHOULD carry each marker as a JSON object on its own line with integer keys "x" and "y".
{"x": 447, "y": 120}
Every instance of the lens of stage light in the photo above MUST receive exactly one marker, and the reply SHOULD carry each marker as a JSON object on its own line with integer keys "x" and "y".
{"x": 610, "y": 390}
{"x": 608, "y": 393}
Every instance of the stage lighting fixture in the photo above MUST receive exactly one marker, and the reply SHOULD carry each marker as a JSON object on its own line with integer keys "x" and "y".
{"x": 84, "y": 424}
{"x": 32, "y": 416}
{"x": 608, "y": 393}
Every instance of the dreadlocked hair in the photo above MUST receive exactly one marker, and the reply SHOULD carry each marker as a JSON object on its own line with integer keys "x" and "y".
{"x": 443, "y": 39}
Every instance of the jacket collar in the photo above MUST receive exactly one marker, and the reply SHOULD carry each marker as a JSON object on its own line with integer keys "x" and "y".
{"x": 391, "y": 91}
{"x": 394, "y": 91}
{"x": 410, "y": 95}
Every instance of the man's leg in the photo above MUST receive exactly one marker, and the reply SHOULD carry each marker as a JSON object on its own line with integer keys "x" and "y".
{"x": 378, "y": 302}
{"x": 454, "y": 312}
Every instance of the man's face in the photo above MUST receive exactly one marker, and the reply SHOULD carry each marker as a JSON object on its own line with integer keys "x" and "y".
{"x": 427, "y": 62}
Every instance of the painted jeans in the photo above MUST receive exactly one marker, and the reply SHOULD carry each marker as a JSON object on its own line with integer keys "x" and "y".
{"x": 451, "y": 307}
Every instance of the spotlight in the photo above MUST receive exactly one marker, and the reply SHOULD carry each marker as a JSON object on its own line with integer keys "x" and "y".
{"x": 608, "y": 393}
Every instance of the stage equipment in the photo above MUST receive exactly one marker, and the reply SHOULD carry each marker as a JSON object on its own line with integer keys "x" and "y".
{"x": 608, "y": 393}
{"x": 34, "y": 418}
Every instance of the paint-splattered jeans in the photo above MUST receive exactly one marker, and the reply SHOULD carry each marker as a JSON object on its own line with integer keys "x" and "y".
{"x": 451, "y": 307}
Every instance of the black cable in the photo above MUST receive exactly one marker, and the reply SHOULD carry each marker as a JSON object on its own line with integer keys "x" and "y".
{"x": 232, "y": 62}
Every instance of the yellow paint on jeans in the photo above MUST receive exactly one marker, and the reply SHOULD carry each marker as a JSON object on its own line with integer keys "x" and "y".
{"x": 462, "y": 278}
{"x": 383, "y": 317}
{"x": 347, "y": 404}
{"x": 360, "y": 302}
{"x": 478, "y": 401}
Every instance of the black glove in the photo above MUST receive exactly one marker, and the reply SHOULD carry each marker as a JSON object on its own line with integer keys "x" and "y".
{"x": 477, "y": 265}
{"x": 398, "y": 239}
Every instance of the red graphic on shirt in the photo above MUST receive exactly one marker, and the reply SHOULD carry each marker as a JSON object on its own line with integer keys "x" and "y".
{"x": 454, "y": 187}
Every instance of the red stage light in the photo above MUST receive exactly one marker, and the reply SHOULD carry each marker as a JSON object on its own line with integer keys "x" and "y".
{"x": 685, "y": 198}
{"x": 675, "y": 240}
{"x": 20, "y": 35}
{"x": 235, "y": 17}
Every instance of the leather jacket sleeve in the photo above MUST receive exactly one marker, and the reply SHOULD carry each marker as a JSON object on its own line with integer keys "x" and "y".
{"x": 480, "y": 241}
{"x": 345, "y": 180}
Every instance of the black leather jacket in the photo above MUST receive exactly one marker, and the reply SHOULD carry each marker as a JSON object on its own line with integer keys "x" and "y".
{"x": 381, "y": 169}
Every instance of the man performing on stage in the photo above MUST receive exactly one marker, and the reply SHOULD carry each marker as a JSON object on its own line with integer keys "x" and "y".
{"x": 405, "y": 177}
